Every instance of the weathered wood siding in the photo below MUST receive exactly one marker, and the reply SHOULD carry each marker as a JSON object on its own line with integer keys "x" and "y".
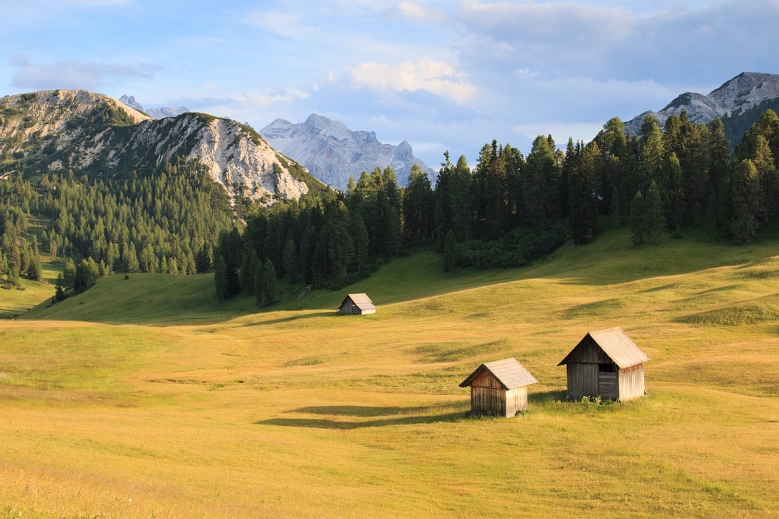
{"x": 607, "y": 386}
{"x": 516, "y": 400}
{"x": 350, "y": 308}
{"x": 631, "y": 383}
{"x": 488, "y": 396}
{"x": 582, "y": 380}
{"x": 588, "y": 351}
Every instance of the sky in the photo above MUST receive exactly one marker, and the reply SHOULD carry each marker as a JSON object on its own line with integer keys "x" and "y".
{"x": 442, "y": 75}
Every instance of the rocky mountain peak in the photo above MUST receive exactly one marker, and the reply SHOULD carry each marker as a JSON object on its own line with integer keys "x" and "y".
{"x": 333, "y": 153}
{"x": 744, "y": 97}
{"x": 154, "y": 113}
{"x": 57, "y": 130}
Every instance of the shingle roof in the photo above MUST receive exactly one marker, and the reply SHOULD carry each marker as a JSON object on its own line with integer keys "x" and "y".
{"x": 509, "y": 372}
{"x": 618, "y": 346}
{"x": 362, "y": 301}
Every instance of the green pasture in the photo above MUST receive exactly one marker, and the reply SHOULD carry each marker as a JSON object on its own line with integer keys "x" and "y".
{"x": 144, "y": 397}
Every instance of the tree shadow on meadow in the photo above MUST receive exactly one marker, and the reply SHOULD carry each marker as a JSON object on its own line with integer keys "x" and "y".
{"x": 291, "y": 318}
{"x": 348, "y": 417}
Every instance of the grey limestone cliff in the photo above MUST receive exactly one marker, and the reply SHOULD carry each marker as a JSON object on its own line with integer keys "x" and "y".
{"x": 53, "y": 131}
{"x": 333, "y": 153}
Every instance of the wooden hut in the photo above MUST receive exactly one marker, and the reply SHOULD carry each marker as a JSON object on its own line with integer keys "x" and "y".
{"x": 606, "y": 363}
{"x": 357, "y": 304}
{"x": 499, "y": 388}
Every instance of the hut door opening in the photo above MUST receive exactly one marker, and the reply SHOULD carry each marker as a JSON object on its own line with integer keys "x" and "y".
{"x": 607, "y": 381}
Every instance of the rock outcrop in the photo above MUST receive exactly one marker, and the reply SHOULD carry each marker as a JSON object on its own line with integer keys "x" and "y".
{"x": 53, "y": 131}
{"x": 333, "y": 153}
{"x": 738, "y": 102}
{"x": 154, "y": 113}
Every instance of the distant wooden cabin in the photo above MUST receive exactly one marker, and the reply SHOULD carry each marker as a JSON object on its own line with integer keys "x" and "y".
{"x": 606, "y": 363}
{"x": 499, "y": 388}
{"x": 358, "y": 304}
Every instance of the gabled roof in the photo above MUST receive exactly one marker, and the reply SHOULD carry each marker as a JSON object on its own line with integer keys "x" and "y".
{"x": 361, "y": 301}
{"x": 616, "y": 345}
{"x": 508, "y": 372}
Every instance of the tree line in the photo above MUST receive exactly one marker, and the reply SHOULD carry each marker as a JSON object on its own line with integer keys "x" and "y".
{"x": 506, "y": 211}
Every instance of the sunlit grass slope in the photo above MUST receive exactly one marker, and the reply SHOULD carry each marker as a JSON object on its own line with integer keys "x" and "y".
{"x": 305, "y": 413}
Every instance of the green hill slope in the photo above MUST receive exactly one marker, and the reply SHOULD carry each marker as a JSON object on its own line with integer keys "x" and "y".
{"x": 611, "y": 259}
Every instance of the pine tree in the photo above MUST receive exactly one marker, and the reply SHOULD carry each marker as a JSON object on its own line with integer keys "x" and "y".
{"x": 59, "y": 293}
{"x": 132, "y": 266}
{"x": 637, "y": 219}
{"x": 259, "y": 283}
{"x": 69, "y": 273}
{"x": 451, "y": 251}
{"x": 745, "y": 193}
{"x": 361, "y": 242}
{"x": 290, "y": 258}
{"x": 220, "y": 278}
{"x": 270, "y": 287}
{"x": 652, "y": 215}
{"x": 614, "y": 208}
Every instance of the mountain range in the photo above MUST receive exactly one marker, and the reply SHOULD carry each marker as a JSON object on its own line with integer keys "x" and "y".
{"x": 333, "y": 153}
{"x": 56, "y": 130}
{"x": 154, "y": 113}
{"x": 739, "y": 102}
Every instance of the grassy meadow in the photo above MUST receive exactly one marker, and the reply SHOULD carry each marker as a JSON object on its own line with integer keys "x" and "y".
{"x": 144, "y": 397}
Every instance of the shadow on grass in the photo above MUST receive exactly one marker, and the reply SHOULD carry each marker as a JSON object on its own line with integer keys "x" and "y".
{"x": 548, "y": 396}
{"x": 321, "y": 423}
{"x": 329, "y": 313}
{"x": 388, "y": 416}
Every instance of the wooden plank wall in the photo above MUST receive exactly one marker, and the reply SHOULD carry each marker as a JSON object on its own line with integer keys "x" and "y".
{"x": 488, "y": 396}
{"x": 607, "y": 386}
{"x": 516, "y": 400}
{"x": 582, "y": 380}
{"x": 631, "y": 383}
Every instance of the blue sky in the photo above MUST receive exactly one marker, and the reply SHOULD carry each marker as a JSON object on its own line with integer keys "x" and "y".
{"x": 442, "y": 75}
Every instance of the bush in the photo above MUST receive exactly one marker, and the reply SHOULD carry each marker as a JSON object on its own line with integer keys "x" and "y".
{"x": 518, "y": 248}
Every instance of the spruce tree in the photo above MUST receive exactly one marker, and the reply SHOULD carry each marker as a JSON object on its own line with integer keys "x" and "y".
{"x": 290, "y": 258}
{"x": 637, "y": 219}
{"x": 745, "y": 193}
{"x": 614, "y": 208}
{"x": 652, "y": 214}
{"x": 259, "y": 283}
{"x": 220, "y": 278}
{"x": 59, "y": 293}
{"x": 270, "y": 286}
{"x": 451, "y": 251}
{"x": 69, "y": 273}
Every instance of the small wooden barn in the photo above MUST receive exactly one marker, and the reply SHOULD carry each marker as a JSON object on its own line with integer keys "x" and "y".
{"x": 606, "y": 363}
{"x": 499, "y": 388}
{"x": 357, "y": 304}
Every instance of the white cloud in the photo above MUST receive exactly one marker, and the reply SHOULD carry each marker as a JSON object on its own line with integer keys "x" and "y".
{"x": 434, "y": 76}
{"x": 412, "y": 10}
{"x": 75, "y": 74}
{"x": 19, "y": 60}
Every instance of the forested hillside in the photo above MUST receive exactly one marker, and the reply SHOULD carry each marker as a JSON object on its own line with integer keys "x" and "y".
{"x": 505, "y": 212}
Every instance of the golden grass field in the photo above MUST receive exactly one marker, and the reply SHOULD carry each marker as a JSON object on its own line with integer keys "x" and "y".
{"x": 160, "y": 403}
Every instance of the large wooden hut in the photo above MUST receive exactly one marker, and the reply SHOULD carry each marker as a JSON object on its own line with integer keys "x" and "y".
{"x": 499, "y": 388}
{"x": 606, "y": 363}
{"x": 358, "y": 304}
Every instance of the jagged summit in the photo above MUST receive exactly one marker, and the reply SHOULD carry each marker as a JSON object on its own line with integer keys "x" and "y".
{"x": 57, "y": 130}
{"x": 333, "y": 153}
{"x": 154, "y": 113}
{"x": 738, "y": 102}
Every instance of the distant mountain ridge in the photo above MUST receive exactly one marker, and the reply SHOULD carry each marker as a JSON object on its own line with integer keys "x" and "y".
{"x": 57, "y": 130}
{"x": 154, "y": 113}
{"x": 332, "y": 152}
{"x": 739, "y": 102}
